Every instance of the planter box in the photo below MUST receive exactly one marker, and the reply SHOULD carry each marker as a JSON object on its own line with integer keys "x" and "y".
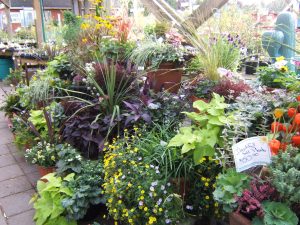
{"x": 166, "y": 77}
{"x": 238, "y": 219}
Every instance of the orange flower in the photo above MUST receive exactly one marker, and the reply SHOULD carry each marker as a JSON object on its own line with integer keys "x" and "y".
{"x": 274, "y": 146}
{"x": 278, "y": 113}
{"x": 292, "y": 112}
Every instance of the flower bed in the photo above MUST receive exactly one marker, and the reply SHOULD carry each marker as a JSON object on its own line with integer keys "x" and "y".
{"x": 136, "y": 153}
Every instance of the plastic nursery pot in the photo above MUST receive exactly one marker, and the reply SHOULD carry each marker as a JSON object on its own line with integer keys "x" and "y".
{"x": 166, "y": 77}
{"x": 43, "y": 171}
{"x": 238, "y": 219}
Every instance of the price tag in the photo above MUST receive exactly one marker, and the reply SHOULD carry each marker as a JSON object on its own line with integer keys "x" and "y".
{"x": 251, "y": 152}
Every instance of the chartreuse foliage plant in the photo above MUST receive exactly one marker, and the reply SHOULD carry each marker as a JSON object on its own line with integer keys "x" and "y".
{"x": 230, "y": 185}
{"x": 47, "y": 203}
{"x": 202, "y": 138}
{"x": 276, "y": 213}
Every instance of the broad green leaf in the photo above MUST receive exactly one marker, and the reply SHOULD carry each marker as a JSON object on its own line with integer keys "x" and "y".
{"x": 200, "y": 105}
{"x": 202, "y": 151}
{"x": 187, "y": 147}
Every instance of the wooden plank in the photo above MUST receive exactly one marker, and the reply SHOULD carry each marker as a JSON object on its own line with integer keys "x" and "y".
{"x": 87, "y": 6}
{"x": 38, "y": 22}
{"x": 75, "y": 7}
{"x": 6, "y": 2}
{"x": 204, "y": 12}
{"x": 8, "y": 18}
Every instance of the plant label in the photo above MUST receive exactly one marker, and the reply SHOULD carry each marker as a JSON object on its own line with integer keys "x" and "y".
{"x": 251, "y": 152}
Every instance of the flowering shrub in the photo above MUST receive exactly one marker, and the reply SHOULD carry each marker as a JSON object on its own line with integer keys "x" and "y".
{"x": 132, "y": 198}
{"x": 199, "y": 200}
{"x": 268, "y": 75}
{"x": 43, "y": 154}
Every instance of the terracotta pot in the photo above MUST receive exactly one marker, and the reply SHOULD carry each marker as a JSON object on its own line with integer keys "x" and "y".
{"x": 238, "y": 219}
{"x": 166, "y": 77}
{"x": 45, "y": 170}
{"x": 194, "y": 98}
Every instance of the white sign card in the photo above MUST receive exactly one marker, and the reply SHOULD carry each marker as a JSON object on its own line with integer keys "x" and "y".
{"x": 251, "y": 152}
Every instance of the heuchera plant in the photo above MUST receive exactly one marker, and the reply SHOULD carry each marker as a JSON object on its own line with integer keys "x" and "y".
{"x": 251, "y": 199}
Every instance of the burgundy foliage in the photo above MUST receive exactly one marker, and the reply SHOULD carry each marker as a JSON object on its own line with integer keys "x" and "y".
{"x": 230, "y": 89}
{"x": 250, "y": 201}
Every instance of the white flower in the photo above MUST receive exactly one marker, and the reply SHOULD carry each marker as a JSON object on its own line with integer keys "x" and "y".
{"x": 168, "y": 221}
{"x": 151, "y": 188}
{"x": 163, "y": 143}
{"x": 153, "y": 106}
{"x": 189, "y": 207}
{"x": 280, "y": 64}
{"x": 141, "y": 203}
{"x": 162, "y": 187}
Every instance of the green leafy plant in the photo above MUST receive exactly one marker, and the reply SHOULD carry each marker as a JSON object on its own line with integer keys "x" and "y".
{"x": 69, "y": 160}
{"x": 230, "y": 185}
{"x": 14, "y": 77}
{"x": 273, "y": 75}
{"x": 11, "y": 105}
{"x": 47, "y": 202}
{"x": 87, "y": 190}
{"x": 285, "y": 173}
{"x": 153, "y": 52}
{"x": 215, "y": 52}
{"x": 203, "y": 136}
{"x": 276, "y": 213}
{"x": 42, "y": 154}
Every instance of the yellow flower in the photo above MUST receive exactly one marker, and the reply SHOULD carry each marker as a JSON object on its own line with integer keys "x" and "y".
{"x": 152, "y": 219}
{"x": 278, "y": 113}
{"x": 284, "y": 69}
{"x": 207, "y": 197}
{"x": 85, "y": 26}
{"x": 84, "y": 40}
{"x": 206, "y": 184}
{"x": 278, "y": 59}
{"x": 53, "y": 158}
{"x": 146, "y": 209}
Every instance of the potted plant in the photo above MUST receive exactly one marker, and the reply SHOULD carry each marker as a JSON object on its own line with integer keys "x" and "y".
{"x": 163, "y": 60}
{"x": 44, "y": 155}
{"x": 251, "y": 200}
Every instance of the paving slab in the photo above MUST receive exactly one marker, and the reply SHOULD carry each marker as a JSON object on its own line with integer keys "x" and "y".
{"x": 10, "y": 172}
{"x": 7, "y": 160}
{"x": 19, "y": 157}
{"x": 12, "y": 148}
{"x": 6, "y": 136}
{"x": 14, "y": 186}
{"x": 33, "y": 178}
{"x": 2, "y": 220}
{"x": 4, "y": 150}
{"x": 25, "y": 218}
{"x": 17, "y": 203}
{"x": 27, "y": 168}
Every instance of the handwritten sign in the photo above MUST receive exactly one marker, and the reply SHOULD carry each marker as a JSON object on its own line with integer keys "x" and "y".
{"x": 251, "y": 152}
